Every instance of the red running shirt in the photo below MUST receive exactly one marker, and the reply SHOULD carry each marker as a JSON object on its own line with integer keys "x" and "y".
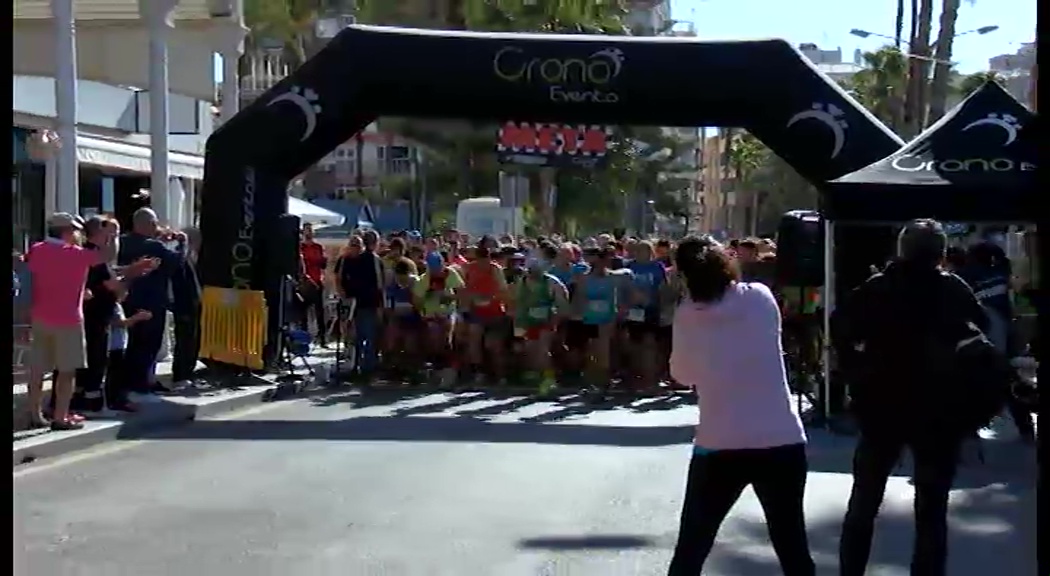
{"x": 484, "y": 283}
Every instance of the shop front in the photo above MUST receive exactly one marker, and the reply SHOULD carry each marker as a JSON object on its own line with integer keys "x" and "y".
{"x": 113, "y": 179}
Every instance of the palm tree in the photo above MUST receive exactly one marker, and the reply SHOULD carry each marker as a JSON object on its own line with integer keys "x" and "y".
{"x": 881, "y": 85}
{"x": 918, "y": 66}
{"x": 942, "y": 71}
{"x": 746, "y": 154}
{"x": 899, "y": 25}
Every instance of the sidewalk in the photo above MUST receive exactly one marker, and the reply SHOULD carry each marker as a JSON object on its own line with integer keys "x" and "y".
{"x": 208, "y": 399}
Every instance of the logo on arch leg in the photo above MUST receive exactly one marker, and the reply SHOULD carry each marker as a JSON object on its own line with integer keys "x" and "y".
{"x": 306, "y": 100}
{"x": 829, "y": 115}
{"x": 1010, "y": 124}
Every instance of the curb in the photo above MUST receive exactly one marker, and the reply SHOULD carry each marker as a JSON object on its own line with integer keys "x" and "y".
{"x": 34, "y": 448}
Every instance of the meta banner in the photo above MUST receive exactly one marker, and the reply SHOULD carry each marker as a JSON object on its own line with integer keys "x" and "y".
{"x": 553, "y": 144}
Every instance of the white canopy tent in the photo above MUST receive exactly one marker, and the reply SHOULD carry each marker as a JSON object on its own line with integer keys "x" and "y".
{"x": 313, "y": 214}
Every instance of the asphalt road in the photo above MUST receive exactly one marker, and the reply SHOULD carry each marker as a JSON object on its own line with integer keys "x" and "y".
{"x": 459, "y": 486}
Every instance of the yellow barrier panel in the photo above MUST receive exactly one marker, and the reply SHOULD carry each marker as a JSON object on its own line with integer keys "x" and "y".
{"x": 233, "y": 326}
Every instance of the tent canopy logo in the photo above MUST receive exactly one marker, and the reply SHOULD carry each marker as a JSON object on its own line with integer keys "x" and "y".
{"x": 306, "y": 101}
{"x": 916, "y": 163}
{"x": 829, "y": 115}
{"x": 1009, "y": 124}
{"x": 569, "y": 80}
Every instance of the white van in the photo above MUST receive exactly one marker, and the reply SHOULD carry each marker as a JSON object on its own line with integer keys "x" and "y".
{"x": 480, "y": 216}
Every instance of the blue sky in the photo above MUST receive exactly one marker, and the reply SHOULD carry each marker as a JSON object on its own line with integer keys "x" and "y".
{"x": 827, "y": 23}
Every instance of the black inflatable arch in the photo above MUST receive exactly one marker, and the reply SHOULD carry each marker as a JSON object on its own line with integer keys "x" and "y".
{"x": 765, "y": 86}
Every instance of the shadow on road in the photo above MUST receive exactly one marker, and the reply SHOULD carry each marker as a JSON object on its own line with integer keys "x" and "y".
{"x": 413, "y": 429}
{"x": 991, "y": 531}
{"x": 591, "y": 542}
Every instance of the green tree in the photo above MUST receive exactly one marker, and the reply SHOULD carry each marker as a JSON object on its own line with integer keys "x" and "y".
{"x": 881, "y": 85}
{"x": 972, "y": 82}
{"x": 465, "y": 149}
{"x": 289, "y": 23}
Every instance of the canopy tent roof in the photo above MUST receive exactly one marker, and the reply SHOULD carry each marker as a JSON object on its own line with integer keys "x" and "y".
{"x": 977, "y": 164}
{"x": 313, "y": 214}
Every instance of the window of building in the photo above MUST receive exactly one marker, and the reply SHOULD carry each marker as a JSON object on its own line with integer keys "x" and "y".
{"x": 346, "y": 167}
{"x": 393, "y": 152}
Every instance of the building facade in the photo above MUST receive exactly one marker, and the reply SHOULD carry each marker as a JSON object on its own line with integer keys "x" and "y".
{"x": 112, "y": 152}
{"x": 1017, "y": 71}
{"x": 114, "y": 115}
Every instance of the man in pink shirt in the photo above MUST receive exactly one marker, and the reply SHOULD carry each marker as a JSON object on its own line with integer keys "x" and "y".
{"x": 59, "y": 267}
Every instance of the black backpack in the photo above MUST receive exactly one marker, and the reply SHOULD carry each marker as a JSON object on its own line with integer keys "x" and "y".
{"x": 961, "y": 381}
{"x": 978, "y": 383}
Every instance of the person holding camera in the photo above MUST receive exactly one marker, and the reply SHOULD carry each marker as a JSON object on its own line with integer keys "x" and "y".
{"x": 749, "y": 432}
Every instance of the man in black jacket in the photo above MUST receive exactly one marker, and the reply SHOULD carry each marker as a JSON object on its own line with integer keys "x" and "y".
{"x": 186, "y": 310}
{"x": 884, "y": 334}
{"x": 149, "y": 293}
{"x": 361, "y": 282}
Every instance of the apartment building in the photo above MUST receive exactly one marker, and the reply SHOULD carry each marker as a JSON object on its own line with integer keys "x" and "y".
{"x": 831, "y": 62}
{"x": 1017, "y": 70}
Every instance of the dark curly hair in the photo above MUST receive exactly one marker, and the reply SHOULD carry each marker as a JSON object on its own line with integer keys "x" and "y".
{"x": 706, "y": 268}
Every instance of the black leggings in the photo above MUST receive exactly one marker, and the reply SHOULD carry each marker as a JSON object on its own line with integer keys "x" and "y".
{"x": 716, "y": 479}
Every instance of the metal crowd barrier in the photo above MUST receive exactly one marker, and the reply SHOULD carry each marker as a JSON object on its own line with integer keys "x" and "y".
{"x": 233, "y": 326}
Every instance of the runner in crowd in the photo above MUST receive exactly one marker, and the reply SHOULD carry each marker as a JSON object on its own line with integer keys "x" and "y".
{"x": 598, "y": 301}
{"x": 484, "y": 309}
{"x": 403, "y": 319}
{"x": 643, "y": 317}
{"x": 435, "y": 297}
{"x": 540, "y": 299}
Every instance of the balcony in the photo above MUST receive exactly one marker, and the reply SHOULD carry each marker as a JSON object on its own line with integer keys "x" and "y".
{"x": 112, "y": 44}
{"x": 112, "y": 10}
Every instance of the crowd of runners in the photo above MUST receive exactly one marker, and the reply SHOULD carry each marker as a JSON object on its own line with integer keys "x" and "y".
{"x": 527, "y": 312}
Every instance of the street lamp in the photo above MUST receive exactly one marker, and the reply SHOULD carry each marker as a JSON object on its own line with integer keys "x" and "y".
{"x": 866, "y": 34}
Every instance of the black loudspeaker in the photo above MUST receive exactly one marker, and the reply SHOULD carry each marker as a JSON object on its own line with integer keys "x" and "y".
{"x": 800, "y": 249}
{"x": 284, "y": 246}
{"x": 281, "y": 271}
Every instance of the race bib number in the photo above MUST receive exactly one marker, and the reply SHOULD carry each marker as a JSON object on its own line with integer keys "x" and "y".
{"x": 598, "y": 306}
{"x": 519, "y": 332}
{"x": 636, "y": 315}
{"x": 539, "y": 313}
{"x": 482, "y": 303}
{"x": 402, "y": 307}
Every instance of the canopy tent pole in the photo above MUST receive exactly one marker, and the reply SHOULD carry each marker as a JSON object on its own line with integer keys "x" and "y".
{"x": 828, "y": 302}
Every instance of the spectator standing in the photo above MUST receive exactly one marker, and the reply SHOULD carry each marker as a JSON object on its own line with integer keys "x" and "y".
{"x": 58, "y": 268}
{"x": 106, "y": 290}
{"x": 151, "y": 293}
{"x": 361, "y": 280}
{"x": 895, "y": 336}
{"x": 116, "y": 374}
{"x": 311, "y": 286}
{"x": 186, "y": 310}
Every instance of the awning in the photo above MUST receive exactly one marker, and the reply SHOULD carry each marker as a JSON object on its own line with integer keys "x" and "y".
{"x": 313, "y": 214}
{"x": 133, "y": 157}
